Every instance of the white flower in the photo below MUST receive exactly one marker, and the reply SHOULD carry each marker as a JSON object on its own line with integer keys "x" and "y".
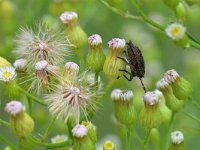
{"x": 108, "y": 145}
{"x": 177, "y": 137}
{"x": 7, "y": 73}
{"x": 20, "y": 64}
{"x": 117, "y": 43}
{"x": 14, "y": 107}
{"x": 176, "y": 31}
{"x": 162, "y": 84}
{"x": 95, "y": 40}
{"x": 68, "y": 16}
{"x": 171, "y": 76}
{"x": 79, "y": 131}
{"x": 59, "y": 139}
{"x": 116, "y": 94}
{"x": 151, "y": 98}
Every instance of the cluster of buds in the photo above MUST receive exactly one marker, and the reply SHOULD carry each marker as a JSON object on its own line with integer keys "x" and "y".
{"x": 124, "y": 107}
{"x": 175, "y": 89}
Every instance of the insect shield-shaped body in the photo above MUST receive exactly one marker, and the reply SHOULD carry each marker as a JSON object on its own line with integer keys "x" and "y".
{"x": 135, "y": 61}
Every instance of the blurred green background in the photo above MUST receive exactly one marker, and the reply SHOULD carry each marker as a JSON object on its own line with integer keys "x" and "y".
{"x": 160, "y": 54}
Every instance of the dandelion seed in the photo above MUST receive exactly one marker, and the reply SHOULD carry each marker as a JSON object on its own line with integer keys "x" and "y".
{"x": 7, "y": 74}
{"x": 176, "y": 31}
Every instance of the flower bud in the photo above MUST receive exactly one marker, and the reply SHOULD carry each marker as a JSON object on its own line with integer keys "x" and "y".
{"x": 71, "y": 71}
{"x": 182, "y": 89}
{"x": 91, "y": 131}
{"x": 81, "y": 139}
{"x": 21, "y": 123}
{"x": 180, "y": 11}
{"x": 124, "y": 108}
{"x": 165, "y": 111}
{"x": 95, "y": 57}
{"x": 177, "y": 139}
{"x": 150, "y": 116}
{"x": 108, "y": 145}
{"x": 171, "y": 101}
{"x": 155, "y": 136}
{"x": 4, "y": 62}
{"x": 113, "y": 64}
{"x": 171, "y": 3}
{"x": 20, "y": 65}
{"x": 75, "y": 33}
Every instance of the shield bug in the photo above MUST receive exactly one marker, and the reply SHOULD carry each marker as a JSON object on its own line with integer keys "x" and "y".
{"x": 135, "y": 60}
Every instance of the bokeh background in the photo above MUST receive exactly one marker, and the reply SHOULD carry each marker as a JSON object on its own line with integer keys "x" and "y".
{"x": 160, "y": 54}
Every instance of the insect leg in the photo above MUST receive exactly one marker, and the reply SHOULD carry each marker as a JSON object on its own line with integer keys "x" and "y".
{"x": 124, "y": 71}
{"x": 143, "y": 85}
{"x": 129, "y": 79}
{"x": 123, "y": 59}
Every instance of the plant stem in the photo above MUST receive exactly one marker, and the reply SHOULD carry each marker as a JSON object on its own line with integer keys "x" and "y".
{"x": 4, "y": 122}
{"x": 48, "y": 129}
{"x": 145, "y": 140}
{"x": 197, "y": 105}
{"x": 7, "y": 142}
{"x": 191, "y": 116}
{"x": 194, "y": 44}
{"x": 32, "y": 97}
{"x": 81, "y": 58}
{"x": 128, "y": 144}
{"x": 49, "y": 145}
{"x": 29, "y": 106}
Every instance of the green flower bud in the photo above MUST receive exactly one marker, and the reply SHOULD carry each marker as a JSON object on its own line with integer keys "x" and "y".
{"x": 171, "y": 3}
{"x": 165, "y": 111}
{"x": 182, "y": 89}
{"x": 177, "y": 138}
{"x": 81, "y": 139}
{"x": 112, "y": 63}
{"x": 76, "y": 34}
{"x": 124, "y": 108}
{"x": 21, "y": 123}
{"x": 95, "y": 57}
{"x": 91, "y": 131}
{"x": 171, "y": 101}
{"x": 155, "y": 136}
{"x": 180, "y": 11}
{"x": 150, "y": 115}
{"x": 108, "y": 145}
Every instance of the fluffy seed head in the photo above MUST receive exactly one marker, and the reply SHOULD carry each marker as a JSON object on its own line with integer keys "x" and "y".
{"x": 7, "y": 74}
{"x": 59, "y": 139}
{"x": 79, "y": 131}
{"x": 72, "y": 100}
{"x": 68, "y": 16}
{"x": 95, "y": 40}
{"x": 42, "y": 44}
{"x": 20, "y": 64}
{"x": 177, "y": 137}
{"x": 171, "y": 76}
{"x": 14, "y": 107}
{"x": 117, "y": 43}
{"x": 151, "y": 98}
{"x": 176, "y": 31}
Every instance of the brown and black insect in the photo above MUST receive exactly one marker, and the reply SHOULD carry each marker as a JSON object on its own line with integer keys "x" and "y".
{"x": 135, "y": 61}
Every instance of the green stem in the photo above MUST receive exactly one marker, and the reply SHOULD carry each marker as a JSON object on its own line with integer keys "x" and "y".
{"x": 4, "y": 122}
{"x": 48, "y": 129}
{"x": 197, "y": 105}
{"x": 145, "y": 140}
{"x": 128, "y": 145}
{"x": 49, "y": 145}
{"x": 194, "y": 44}
{"x": 36, "y": 99}
{"x": 29, "y": 106}
{"x": 7, "y": 142}
{"x": 81, "y": 58}
{"x": 191, "y": 116}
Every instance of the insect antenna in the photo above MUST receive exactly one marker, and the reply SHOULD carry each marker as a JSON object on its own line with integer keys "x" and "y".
{"x": 143, "y": 85}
